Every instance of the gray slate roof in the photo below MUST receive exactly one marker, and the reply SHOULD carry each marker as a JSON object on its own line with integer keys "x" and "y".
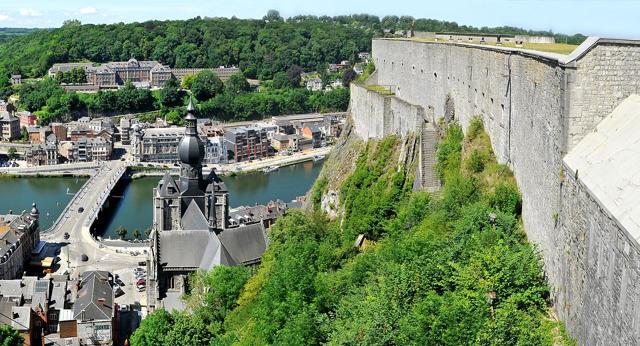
{"x": 192, "y": 249}
{"x": 94, "y": 287}
{"x": 167, "y": 187}
{"x": 246, "y": 244}
{"x": 193, "y": 219}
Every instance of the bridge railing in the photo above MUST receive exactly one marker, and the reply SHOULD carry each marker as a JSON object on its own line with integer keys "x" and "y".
{"x": 68, "y": 206}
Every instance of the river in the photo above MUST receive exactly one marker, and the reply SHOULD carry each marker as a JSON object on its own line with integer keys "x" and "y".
{"x": 50, "y": 194}
{"x": 135, "y": 210}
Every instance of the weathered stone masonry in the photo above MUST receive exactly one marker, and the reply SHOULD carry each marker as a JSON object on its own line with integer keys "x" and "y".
{"x": 535, "y": 107}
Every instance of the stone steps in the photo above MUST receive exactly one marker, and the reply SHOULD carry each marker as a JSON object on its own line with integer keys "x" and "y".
{"x": 429, "y": 179}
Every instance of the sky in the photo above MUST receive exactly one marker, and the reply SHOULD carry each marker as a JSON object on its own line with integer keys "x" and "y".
{"x": 604, "y": 18}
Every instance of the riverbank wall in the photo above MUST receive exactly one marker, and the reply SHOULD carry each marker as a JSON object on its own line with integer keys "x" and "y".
{"x": 536, "y": 107}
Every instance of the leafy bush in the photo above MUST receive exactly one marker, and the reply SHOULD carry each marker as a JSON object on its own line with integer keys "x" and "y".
{"x": 476, "y": 161}
{"x": 506, "y": 198}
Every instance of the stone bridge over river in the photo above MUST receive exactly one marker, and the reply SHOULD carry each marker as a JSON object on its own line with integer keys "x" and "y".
{"x": 551, "y": 118}
{"x": 91, "y": 198}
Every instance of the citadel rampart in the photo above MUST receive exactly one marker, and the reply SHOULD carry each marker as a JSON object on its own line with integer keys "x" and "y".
{"x": 536, "y": 107}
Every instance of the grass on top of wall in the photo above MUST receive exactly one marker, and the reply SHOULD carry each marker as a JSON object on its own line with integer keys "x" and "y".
{"x": 380, "y": 90}
{"x": 558, "y": 48}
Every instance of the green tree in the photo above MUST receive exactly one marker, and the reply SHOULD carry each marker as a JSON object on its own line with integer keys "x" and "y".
{"x": 206, "y": 85}
{"x": 10, "y": 337}
{"x": 215, "y": 293}
{"x": 237, "y": 84}
{"x": 189, "y": 330}
{"x": 187, "y": 81}
{"x": 121, "y": 232}
{"x": 170, "y": 94}
{"x": 136, "y": 233}
{"x": 12, "y": 152}
{"x": 153, "y": 330}
{"x": 147, "y": 232}
{"x": 281, "y": 81}
{"x": 294, "y": 73}
{"x": 24, "y": 134}
{"x": 348, "y": 76}
{"x": 272, "y": 15}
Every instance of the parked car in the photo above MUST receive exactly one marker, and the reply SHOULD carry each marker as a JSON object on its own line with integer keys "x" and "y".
{"x": 139, "y": 270}
{"x": 141, "y": 288}
{"x": 117, "y": 290}
{"x": 142, "y": 263}
{"x": 119, "y": 281}
{"x": 141, "y": 282}
{"x": 124, "y": 307}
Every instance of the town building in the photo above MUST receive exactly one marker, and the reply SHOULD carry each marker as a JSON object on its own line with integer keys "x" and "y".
{"x": 215, "y": 150}
{"x": 222, "y": 72}
{"x": 125, "y": 130}
{"x": 247, "y": 143}
{"x": 16, "y": 79}
{"x": 19, "y": 234}
{"x": 156, "y": 144}
{"x": 10, "y": 126}
{"x": 27, "y": 119}
{"x": 191, "y": 230}
{"x": 38, "y": 134}
{"x": 94, "y": 311}
{"x": 146, "y": 74}
{"x": 59, "y": 130}
{"x": 44, "y": 154}
{"x": 80, "y": 311}
{"x": 67, "y": 67}
{"x": 358, "y": 68}
{"x": 314, "y": 84}
{"x": 313, "y": 133}
{"x": 98, "y": 125}
{"x": 92, "y": 149}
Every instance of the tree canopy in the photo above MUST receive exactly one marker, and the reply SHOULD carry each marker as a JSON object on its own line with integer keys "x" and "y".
{"x": 10, "y": 337}
{"x": 453, "y": 268}
{"x": 260, "y": 47}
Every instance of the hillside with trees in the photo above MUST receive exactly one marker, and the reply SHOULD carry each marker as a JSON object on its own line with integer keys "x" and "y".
{"x": 452, "y": 268}
{"x": 259, "y": 47}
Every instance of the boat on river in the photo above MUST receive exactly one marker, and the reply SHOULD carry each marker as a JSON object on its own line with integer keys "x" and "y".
{"x": 270, "y": 169}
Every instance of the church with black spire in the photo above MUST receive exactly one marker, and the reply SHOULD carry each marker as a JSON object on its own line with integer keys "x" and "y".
{"x": 190, "y": 225}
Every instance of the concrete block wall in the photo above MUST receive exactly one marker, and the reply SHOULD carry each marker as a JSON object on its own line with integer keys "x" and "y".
{"x": 518, "y": 98}
{"x": 599, "y": 297}
{"x": 535, "y": 107}
{"x": 598, "y": 82}
{"x": 375, "y": 115}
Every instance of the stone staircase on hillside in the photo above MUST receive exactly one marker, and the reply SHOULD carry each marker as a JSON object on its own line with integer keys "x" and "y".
{"x": 427, "y": 175}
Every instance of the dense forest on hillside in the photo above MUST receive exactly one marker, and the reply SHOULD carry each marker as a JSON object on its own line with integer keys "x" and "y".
{"x": 259, "y": 47}
{"x": 452, "y": 268}
{"x": 7, "y": 34}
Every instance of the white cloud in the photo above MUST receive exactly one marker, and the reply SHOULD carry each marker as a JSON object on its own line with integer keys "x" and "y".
{"x": 3, "y": 17}
{"x": 29, "y": 12}
{"x": 88, "y": 10}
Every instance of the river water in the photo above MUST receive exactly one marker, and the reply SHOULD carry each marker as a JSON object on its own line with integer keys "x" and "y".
{"x": 132, "y": 207}
{"x": 50, "y": 194}
{"x": 135, "y": 209}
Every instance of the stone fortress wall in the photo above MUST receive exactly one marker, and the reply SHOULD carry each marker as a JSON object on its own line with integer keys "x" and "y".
{"x": 535, "y": 107}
